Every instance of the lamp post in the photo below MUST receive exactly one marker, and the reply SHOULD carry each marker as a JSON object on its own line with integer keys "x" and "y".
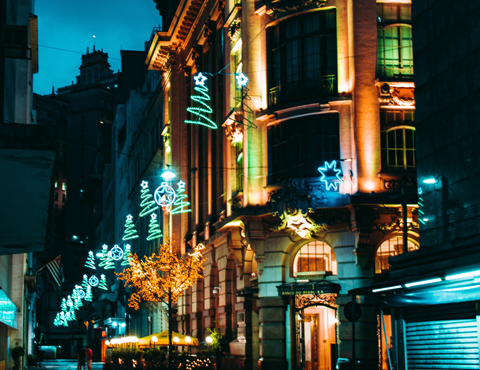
{"x": 154, "y": 340}
{"x": 188, "y": 340}
{"x": 209, "y": 341}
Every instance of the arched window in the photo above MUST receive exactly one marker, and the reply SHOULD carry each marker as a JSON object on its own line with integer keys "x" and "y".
{"x": 390, "y": 247}
{"x": 314, "y": 258}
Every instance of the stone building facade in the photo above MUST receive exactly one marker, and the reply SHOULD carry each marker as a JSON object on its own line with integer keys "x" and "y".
{"x": 301, "y": 181}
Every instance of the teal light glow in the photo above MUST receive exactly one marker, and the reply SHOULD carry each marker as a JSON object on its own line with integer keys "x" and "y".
{"x": 130, "y": 231}
{"x": 90, "y": 261}
{"x": 8, "y": 311}
{"x": 331, "y": 175}
{"x": 148, "y": 204}
{"x": 127, "y": 255}
{"x": 242, "y": 80}
{"x": 154, "y": 231}
{"x": 103, "y": 282}
{"x": 203, "y": 107}
{"x": 181, "y": 205}
{"x": 430, "y": 181}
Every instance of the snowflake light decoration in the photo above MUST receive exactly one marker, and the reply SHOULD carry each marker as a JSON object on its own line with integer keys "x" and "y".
{"x": 93, "y": 281}
{"x": 330, "y": 175}
{"x": 242, "y": 80}
{"x": 116, "y": 253}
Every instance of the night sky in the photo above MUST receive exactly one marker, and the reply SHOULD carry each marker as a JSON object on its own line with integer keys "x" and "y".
{"x": 70, "y": 25}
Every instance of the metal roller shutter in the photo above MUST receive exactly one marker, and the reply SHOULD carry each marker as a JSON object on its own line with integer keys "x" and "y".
{"x": 436, "y": 343}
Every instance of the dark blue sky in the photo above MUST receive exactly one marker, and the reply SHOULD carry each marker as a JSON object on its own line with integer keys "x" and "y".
{"x": 71, "y": 24}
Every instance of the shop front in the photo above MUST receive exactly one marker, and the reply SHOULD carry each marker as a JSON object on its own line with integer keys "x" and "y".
{"x": 312, "y": 324}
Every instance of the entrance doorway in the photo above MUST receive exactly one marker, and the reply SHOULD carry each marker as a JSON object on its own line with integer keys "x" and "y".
{"x": 318, "y": 328}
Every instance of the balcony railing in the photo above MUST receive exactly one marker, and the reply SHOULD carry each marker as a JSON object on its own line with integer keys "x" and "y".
{"x": 302, "y": 90}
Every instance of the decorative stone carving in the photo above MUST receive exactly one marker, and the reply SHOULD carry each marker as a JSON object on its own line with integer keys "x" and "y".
{"x": 296, "y": 194}
{"x": 299, "y": 223}
{"x": 396, "y": 225}
{"x": 233, "y": 129}
{"x": 288, "y": 6}
{"x": 234, "y": 30}
{"x": 303, "y": 301}
{"x": 396, "y": 96}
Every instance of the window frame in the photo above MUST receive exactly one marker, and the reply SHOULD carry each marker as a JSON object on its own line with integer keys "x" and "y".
{"x": 399, "y": 239}
{"x": 331, "y": 263}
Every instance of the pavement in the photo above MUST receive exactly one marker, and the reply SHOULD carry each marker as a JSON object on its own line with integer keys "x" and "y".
{"x": 64, "y": 365}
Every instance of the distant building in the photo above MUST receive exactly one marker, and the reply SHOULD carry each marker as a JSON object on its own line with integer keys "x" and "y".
{"x": 433, "y": 294}
{"x": 27, "y": 157}
{"x": 83, "y": 129}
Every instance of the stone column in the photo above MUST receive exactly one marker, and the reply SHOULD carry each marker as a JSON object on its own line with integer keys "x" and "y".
{"x": 272, "y": 334}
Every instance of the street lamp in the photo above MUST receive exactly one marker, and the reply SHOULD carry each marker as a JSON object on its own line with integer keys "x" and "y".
{"x": 168, "y": 174}
{"x": 209, "y": 341}
{"x": 154, "y": 340}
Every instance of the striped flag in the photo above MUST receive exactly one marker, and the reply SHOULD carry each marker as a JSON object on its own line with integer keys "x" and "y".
{"x": 54, "y": 267}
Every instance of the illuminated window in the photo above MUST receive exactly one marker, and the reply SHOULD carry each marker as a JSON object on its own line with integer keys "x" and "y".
{"x": 313, "y": 258}
{"x": 390, "y": 247}
{"x": 397, "y": 140}
{"x": 64, "y": 186}
{"x": 297, "y": 147}
{"x": 56, "y": 184}
{"x": 302, "y": 57}
{"x": 394, "y": 40}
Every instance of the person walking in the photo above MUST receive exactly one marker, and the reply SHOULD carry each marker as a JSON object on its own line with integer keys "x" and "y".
{"x": 81, "y": 358}
{"x": 88, "y": 355}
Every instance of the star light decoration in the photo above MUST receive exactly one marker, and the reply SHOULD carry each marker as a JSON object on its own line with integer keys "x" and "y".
{"x": 242, "y": 80}
{"x": 200, "y": 79}
{"x": 330, "y": 175}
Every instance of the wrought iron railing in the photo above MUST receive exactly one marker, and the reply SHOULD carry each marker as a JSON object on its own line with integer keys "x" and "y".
{"x": 302, "y": 90}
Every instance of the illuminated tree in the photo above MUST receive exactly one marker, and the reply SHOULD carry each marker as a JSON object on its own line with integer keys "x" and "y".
{"x": 163, "y": 277}
{"x": 130, "y": 231}
{"x": 154, "y": 231}
{"x": 63, "y": 305}
{"x": 148, "y": 204}
{"x": 181, "y": 204}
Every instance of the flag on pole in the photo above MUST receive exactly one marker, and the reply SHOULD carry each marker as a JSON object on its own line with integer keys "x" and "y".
{"x": 54, "y": 267}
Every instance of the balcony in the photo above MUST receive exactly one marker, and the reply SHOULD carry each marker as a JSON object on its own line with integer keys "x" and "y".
{"x": 302, "y": 90}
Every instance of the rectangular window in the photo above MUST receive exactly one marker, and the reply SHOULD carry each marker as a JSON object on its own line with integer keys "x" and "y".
{"x": 297, "y": 147}
{"x": 64, "y": 186}
{"x": 56, "y": 196}
{"x": 302, "y": 57}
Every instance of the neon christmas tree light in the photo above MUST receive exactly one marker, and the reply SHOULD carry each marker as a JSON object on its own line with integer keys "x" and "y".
{"x": 203, "y": 108}
{"x": 103, "y": 282}
{"x": 88, "y": 294}
{"x": 106, "y": 260}
{"x": 127, "y": 255}
{"x": 130, "y": 231}
{"x": 181, "y": 205}
{"x": 85, "y": 284}
{"x": 90, "y": 261}
{"x": 148, "y": 204}
{"x": 154, "y": 231}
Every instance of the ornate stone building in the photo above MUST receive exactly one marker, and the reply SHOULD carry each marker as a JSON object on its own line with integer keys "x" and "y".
{"x": 292, "y": 125}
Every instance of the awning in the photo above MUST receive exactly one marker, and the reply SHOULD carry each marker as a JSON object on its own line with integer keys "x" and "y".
{"x": 311, "y": 287}
{"x": 163, "y": 340}
{"x": 8, "y": 311}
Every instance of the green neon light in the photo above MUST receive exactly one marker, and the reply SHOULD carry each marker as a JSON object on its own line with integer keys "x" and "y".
{"x": 106, "y": 259}
{"x": 127, "y": 255}
{"x": 181, "y": 206}
{"x": 154, "y": 231}
{"x": 204, "y": 108}
{"x": 85, "y": 283}
{"x": 103, "y": 283}
{"x": 240, "y": 157}
{"x": 89, "y": 295}
{"x": 90, "y": 261}
{"x": 130, "y": 232}
{"x": 148, "y": 204}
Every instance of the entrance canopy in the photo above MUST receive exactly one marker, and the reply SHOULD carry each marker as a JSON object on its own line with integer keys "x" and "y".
{"x": 311, "y": 287}
{"x": 163, "y": 340}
